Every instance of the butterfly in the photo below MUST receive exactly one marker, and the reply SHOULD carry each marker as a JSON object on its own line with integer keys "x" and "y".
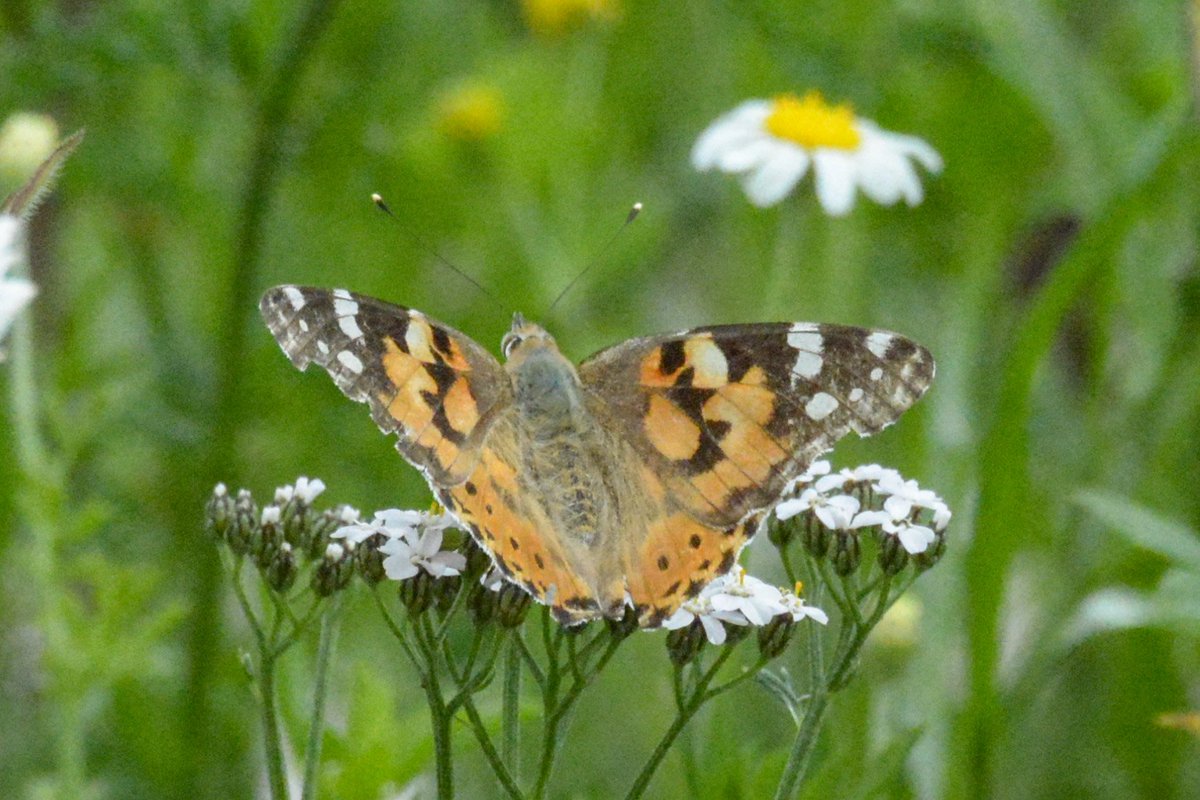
{"x": 635, "y": 477}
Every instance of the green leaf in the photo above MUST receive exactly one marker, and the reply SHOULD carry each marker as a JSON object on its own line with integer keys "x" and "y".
{"x": 1143, "y": 527}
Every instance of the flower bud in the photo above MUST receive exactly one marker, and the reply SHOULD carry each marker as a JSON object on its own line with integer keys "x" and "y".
{"x": 266, "y": 541}
{"x": 417, "y": 592}
{"x": 684, "y": 644}
{"x": 892, "y": 556}
{"x": 817, "y": 537}
{"x": 326, "y": 523}
{"x": 773, "y": 638}
{"x": 779, "y": 533}
{"x": 478, "y": 561}
{"x": 219, "y": 513}
{"x": 847, "y": 553}
{"x": 281, "y": 572}
{"x": 245, "y": 525}
{"x": 933, "y": 553}
{"x": 512, "y": 604}
{"x": 26, "y": 140}
{"x": 483, "y": 602}
{"x": 369, "y": 560}
{"x": 445, "y": 589}
{"x": 734, "y": 634}
{"x": 334, "y": 571}
{"x": 627, "y": 624}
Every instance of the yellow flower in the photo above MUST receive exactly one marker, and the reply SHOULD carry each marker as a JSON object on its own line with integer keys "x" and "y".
{"x": 770, "y": 144}
{"x": 556, "y": 17}
{"x": 471, "y": 113}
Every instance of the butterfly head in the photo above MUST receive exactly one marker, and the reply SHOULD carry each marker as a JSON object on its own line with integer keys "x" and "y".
{"x": 522, "y": 337}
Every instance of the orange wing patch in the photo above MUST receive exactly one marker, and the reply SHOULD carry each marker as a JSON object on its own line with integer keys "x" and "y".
{"x": 678, "y": 558}
{"x": 517, "y": 534}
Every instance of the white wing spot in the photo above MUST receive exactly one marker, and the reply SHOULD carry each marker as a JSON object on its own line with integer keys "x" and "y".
{"x": 350, "y": 361}
{"x": 303, "y": 326}
{"x": 342, "y": 294}
{"x": 820, "y": 406}
{"x": 324, "y": 348}
{"x": 344, "y": 307}
{"x": 294, "y": 296}
{"x": 349, "y": 326}
{"x": 856, "y": 394}
{"x": 879, "y": 343}
{"x": 876, "y": 374}
{"x": 809, "y": 345}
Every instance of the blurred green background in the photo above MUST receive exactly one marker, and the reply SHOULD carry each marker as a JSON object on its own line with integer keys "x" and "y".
{"x": 234, "y": 145}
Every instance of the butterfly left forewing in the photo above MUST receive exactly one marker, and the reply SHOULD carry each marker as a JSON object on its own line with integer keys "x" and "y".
{"x": 433, "y": 387}
{"x": 724, "y": 418}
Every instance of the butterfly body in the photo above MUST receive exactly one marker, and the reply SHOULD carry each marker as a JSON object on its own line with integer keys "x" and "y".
{"x": 637, "y": 475}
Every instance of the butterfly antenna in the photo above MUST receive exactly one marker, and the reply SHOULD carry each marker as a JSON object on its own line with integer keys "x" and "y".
{"x": 630, "y": 217}
{"x": 378, "y": 200}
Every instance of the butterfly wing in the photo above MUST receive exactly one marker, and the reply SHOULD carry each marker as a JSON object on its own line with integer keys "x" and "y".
{"x": 723, "y": 419}
{"x": 433, "y": 387}
{"x": 450, "y": 404}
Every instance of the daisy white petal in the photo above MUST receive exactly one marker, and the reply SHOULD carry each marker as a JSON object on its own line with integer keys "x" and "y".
{"x": 836, "y": 179}
{"x": 774, "y": 178}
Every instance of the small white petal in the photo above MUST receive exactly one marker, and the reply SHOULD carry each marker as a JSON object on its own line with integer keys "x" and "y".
{"x": 776, "y": 177}
{"x": 835, "y": 171}
{"x": 713, "y": 629}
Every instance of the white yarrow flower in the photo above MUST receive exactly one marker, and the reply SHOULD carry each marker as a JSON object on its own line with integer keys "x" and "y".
{"x": 15, "y": 293}
{"x": 740, "y": 599}
{"x": 698, "y": 608}
{"x": 904, "y": 495}
{"x": 770, "y": 145}
{"x": 794, "y": 605}
{"x": 835, "y": 513}
{"x": 915, "y": 538}
{"x": 414, "y": 543}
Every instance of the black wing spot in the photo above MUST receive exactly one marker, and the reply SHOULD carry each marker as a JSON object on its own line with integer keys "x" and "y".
{"x": 537, "y": 559}
{"x": 672, "y": 589}
{"x": 663, "y": 563}
{"x": 515, "y": 544}
{"x": 695, "y": 541}
{"x": 670, "y": 357}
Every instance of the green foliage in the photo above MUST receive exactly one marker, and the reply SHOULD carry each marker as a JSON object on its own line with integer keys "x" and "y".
{"x": 233, "y": 146}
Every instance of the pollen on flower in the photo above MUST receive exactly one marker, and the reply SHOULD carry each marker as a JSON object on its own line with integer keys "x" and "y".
{"x": 811, "y": 122}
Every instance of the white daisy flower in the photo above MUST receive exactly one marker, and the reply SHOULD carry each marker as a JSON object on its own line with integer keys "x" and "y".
{"x": 15, "y": 293}
{"x": 770, "y": 144}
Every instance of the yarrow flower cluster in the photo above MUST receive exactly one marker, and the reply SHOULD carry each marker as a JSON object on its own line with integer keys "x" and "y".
{"x": 835, "y": 506}
{"x": 738, "y": 598}
{"x": 770, "y": 145}
{"x": 412, "y": 542}
{"x": 15, "y": 293}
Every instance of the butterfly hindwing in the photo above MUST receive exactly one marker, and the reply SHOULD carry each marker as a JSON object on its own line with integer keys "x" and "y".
{"x": 433, "y": 387}
{"x": 726, "y": 417}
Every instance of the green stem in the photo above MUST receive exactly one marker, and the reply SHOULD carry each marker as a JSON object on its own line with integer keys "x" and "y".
{"x": 245, "y": 257}
{"x": 699, "y": 696}
{"x": 802, "y": 748}
{"x": 316, "y": 725}
{"x": 440, "y": 715}
{"x": 270, "y": 719}
{"x": 510, "y": 725}
{"x": 506, "y": 778}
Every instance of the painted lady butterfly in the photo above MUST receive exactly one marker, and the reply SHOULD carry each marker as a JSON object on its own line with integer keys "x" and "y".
{"x": 642, "y": 471}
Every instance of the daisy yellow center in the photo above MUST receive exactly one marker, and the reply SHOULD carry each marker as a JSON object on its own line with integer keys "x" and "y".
{"x": 811, "y": 122}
